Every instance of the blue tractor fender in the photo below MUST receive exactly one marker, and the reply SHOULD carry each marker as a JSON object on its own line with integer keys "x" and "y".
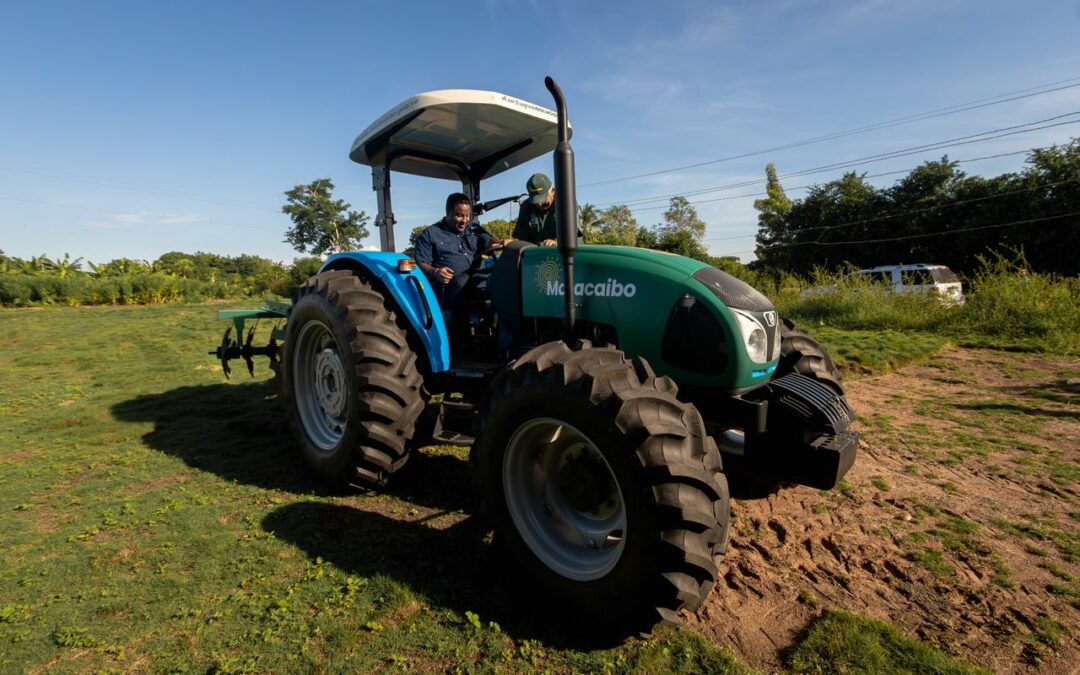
{"x": 411, "y": 292}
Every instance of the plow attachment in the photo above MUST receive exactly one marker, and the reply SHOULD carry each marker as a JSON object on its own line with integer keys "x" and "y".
{"x": 231, "y": 348}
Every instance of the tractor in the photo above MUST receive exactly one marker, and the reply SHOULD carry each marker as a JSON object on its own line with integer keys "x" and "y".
{"x": 608, "y": 393}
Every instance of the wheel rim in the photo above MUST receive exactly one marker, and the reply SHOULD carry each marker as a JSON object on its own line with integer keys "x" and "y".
{"x": 564, "y": 499}
{"x": 320, "y": 385}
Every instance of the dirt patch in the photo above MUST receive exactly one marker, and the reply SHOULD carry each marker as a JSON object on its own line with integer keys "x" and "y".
{"x": 958, "y": 524}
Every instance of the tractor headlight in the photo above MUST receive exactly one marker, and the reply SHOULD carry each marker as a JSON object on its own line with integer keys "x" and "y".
{"x": 753, "y": 334}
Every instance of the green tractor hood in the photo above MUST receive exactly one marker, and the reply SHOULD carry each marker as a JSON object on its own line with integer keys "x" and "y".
{"x": 687, "y": 318}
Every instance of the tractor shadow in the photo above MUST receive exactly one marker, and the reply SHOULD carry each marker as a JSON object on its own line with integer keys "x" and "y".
{"x": 240, "y": 433}
{"x": 455, "y": 568}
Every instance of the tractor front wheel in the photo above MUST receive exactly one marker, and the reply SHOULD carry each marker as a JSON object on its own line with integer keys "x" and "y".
{"x": 800, "y": 353}
{"x": 349, "y": 380}
{"x": 603, "y": 487}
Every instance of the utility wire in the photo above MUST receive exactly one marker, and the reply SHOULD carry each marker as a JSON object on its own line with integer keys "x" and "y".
{"x": 892, "y": 215}
{"x": 859, "y": 161}
{"x": 940, "y": 112}
{"x": 919, "y": 236}
{"x": 804, "y": 187}
{"x": 903, "y": 213}
{"x": 973, "y": 200}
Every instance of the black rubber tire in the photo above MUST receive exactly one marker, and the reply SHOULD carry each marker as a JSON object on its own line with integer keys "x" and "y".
{"x": 800, "y": 353}
{"x": 667, "y": 468}
{"x": 385, "y": 393}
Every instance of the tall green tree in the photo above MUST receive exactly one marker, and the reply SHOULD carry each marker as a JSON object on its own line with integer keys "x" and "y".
{"x": 589, "y": 219}
{"x": 773, "y": 210}
{"x": 322, "y": 224}
{"x": 680, "y": 231}
{"x": 616, "y": 226}
{"x": 681, "y": 216}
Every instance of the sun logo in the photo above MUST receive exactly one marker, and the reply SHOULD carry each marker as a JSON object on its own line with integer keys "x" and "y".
{"x": 547, "y": 274}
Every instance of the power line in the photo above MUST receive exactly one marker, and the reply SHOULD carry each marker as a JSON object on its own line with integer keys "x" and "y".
{"x": 973, "y": 200}
{"x": 901, "y": 213}
{"x": 940, "y": 112}
{"x": 894, "y": 154}
{"x": 919, "y": 236}
{"x": 998, "y": 195}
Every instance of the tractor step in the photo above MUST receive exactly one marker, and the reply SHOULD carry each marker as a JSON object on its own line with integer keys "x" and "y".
{"x": 455, "y": 423}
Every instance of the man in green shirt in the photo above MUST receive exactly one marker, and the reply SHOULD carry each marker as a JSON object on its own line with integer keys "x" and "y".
{"x": 536, "y": 220}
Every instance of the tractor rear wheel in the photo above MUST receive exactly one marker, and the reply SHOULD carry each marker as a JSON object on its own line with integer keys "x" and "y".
{"x": 800, "y": 353}
{"x": 350, "y": 380}
{"x": 603, "y": 486}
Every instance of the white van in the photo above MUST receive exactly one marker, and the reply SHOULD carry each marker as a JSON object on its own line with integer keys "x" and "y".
{"x": 917, "y": 278}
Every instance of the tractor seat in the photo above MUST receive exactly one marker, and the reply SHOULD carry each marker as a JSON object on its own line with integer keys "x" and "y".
{"x": 504, "y": 286}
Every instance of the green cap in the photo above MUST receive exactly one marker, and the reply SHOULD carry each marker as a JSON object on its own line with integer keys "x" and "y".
{"x": 538, "y": 187}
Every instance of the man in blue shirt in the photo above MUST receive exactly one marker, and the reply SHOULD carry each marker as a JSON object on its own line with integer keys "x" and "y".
{"x": 450, "y": 253}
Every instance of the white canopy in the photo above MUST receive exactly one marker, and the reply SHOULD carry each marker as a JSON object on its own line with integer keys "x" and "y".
{"x": 454, "y": 133}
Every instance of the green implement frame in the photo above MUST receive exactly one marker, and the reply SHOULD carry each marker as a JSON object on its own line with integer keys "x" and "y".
{"x": 233, "y": 349}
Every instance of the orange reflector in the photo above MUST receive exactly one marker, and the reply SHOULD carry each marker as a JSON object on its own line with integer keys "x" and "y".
{"x": 405, "y": 265}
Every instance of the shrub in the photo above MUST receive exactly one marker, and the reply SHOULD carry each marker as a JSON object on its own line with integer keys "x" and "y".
{"x": 1010, "y": 301}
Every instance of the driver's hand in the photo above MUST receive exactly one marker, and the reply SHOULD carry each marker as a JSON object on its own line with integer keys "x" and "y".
{"x": 445, "y": 274}
{"x": 549, "y": 242}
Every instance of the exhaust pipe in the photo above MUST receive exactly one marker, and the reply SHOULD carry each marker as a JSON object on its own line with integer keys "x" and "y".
{"x": 565, "y": 202}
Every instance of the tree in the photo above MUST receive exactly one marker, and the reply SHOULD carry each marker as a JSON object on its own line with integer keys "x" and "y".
{"x": 410, "y": 250}
{"x": 500, "y": 228}
{"x": 322, "y": 224}
{"x": 680, "y": 242}
{"x": 680, "y": 232}
{"x": 616, "y": 226}
{"x": 772, "y": 220}
{"x": 681, "y": 216}
{"x": 843, "y": 210}
{"x": 589, "y": 219}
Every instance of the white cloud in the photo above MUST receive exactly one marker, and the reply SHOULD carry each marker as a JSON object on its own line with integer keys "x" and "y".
{"x": 125, "y": 219}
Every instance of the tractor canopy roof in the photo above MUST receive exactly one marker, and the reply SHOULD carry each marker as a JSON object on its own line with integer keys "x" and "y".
{"x": 456, "y": 134}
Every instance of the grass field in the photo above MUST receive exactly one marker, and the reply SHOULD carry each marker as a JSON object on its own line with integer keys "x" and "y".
{"x": 156, "y": 518}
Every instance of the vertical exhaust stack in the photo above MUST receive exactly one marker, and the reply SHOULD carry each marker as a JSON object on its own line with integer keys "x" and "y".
{"x": 565, "y": 201}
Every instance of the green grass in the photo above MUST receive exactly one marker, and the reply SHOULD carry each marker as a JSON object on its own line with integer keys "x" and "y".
{"x": 870, "y": 351}
{"x": 841, "y": 642}
{"x": 156, "y": 517}
{"x": 1067, "y": 541}
{"x": 933, "y": 561}
{"x": 1046, "y": 636}
{"x": 880, "y": 483}
{"x": 1008, "y": 307}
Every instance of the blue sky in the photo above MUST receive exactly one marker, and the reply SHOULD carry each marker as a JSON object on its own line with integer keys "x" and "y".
{"x": 133, "y": 129}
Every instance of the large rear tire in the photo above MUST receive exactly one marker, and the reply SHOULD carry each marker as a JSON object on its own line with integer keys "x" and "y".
{"x": 603, "y": 487}
{"x": 350, "y": 380}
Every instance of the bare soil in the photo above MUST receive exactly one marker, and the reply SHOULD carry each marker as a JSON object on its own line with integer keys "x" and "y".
{"x": 959, "y": 523}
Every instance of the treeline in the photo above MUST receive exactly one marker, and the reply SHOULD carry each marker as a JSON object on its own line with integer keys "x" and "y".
{"x": 935, "y": 214}
{"x": 174, "y": 277}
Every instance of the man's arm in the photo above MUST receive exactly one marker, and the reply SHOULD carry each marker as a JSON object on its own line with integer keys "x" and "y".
{"x": 425, "y": 258}
{"x": 485, "y": 243}
{"x": 521, "y": 228}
